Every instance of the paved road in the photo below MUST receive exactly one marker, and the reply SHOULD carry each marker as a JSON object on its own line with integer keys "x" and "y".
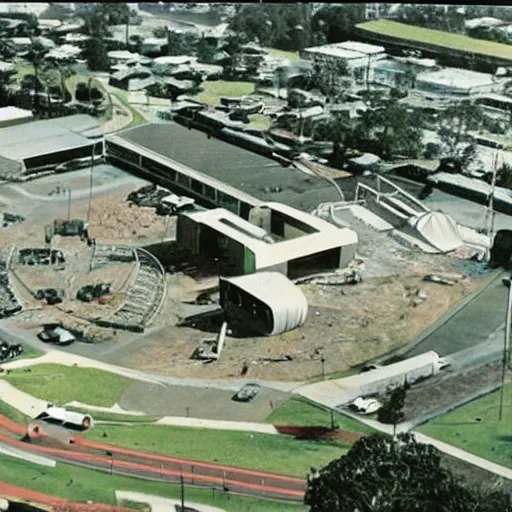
{"x": 469, "y": 327}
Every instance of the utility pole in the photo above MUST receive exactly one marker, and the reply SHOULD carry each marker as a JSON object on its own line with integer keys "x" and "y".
{"x": 506, "y": 343}
{"x": 69, "y": 204}
{"x": 182, "y": 493}
{"x": 489, "y": 220}
{"x": 90, "y": 185}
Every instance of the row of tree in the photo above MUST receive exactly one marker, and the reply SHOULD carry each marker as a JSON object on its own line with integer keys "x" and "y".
{"x": 296, "y": 26}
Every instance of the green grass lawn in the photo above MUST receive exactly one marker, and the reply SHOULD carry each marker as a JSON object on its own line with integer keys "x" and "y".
{"x": 13, "y": 414}
{"x": 301, "y": 412}
{"x": 137, "y": 117}
{"x": 61, "y": 384}
{"x": 427, "y": 36}
{"x": 260, "y": 121}
{"x": 488, "y": 438}
{"x": 285, "y": 54}
{"x": 266, "y": 452}
{"x": 212, "y": 91}
{"x": 80, "y": 484}
{"x": 29, "y": 353}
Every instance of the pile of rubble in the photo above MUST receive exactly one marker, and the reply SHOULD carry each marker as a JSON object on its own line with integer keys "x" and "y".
{"x": 144, "y": 297}
{"x": 9, "y": 303}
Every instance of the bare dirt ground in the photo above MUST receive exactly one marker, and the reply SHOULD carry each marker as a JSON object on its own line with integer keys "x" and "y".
{"x": 113, "y": 221}
{"x": 348, "y": 324}
{"x": 448, "y": 388}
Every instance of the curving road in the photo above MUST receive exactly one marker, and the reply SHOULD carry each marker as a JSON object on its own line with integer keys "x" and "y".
{"x": 114, "y": 459}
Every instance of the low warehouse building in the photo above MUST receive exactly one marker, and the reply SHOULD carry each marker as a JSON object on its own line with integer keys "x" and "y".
{"x": 457, "y": 82}
{"x": 276, "y": 237}
{"x": 376, "y": 382}
{"x": 267, "y": 303}
{"x": 41, "y": 145}
{"x": 11, "y": 116}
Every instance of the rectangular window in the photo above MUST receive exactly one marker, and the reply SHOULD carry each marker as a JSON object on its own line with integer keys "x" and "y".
{"x": 197, "y": 187}
{"x": 209, "y": 192}
{"x": 183, "y": 180}
{"x": 227, "y": 202}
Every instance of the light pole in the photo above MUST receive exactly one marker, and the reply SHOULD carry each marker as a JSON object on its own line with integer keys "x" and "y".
{"x": 322, "y": 360}
{"x": 90, "y": 185}
{"x": 69, "y": 205}
{"x": 506, "y": 341}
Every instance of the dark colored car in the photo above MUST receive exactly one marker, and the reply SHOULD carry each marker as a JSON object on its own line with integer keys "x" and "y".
{"x": 248, "y": 393}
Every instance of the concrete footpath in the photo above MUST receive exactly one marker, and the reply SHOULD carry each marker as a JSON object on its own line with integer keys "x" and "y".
{"x": 26, "y": 456}
{"x": 69, "y": 359}
{"x": 158, "y": 504}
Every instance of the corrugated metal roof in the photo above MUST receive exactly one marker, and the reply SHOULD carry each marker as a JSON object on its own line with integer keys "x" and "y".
{"x": 287, "y": 302}
{"x": 46, "y": 136}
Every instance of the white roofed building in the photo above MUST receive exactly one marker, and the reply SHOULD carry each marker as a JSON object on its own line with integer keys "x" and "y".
{"x": 267, "y": 303}
{"x": 457, "y": 82}
{"x": 11, "y": 116}
{"x": 276, "y": 238}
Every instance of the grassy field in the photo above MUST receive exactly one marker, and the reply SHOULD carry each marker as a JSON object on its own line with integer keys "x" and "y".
{"x": 13, "y": 414}
{"x": 212, "y": 91}
{"x": 80, "y": 484}
{"x": 266, "y": 452}
{"x": 488, "y": 438}
{"x": 282, "y": 53}
{"x": 260, "y": 121}
{"x": 457, "y": 42}
{"x": 301, "y": 412}
{"x": 137, "y": 117}
{"x": 61, "y": 384}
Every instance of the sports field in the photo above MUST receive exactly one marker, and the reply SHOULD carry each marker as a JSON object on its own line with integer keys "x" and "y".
{"x": 439, "y": 38}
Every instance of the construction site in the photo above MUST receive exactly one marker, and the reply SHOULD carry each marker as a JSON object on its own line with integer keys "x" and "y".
{"x": 131, "y": 267}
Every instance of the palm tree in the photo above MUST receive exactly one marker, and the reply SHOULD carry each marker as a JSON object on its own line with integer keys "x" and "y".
{"x": 35, "y": 56}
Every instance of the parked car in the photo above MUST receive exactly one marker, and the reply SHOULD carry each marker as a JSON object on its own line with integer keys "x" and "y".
{"x": 55, "y": 333}
{"x": 365, "y": 406}
{"x": 10, "y": 351}
{"x": 248, "y": 393}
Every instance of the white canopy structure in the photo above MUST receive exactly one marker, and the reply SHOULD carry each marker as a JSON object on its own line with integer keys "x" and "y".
{"x": 438, "y": 229}
{"x": 376, "y": 382}
{"x": 65, "y": 417}
{"x": 282, "y": 305}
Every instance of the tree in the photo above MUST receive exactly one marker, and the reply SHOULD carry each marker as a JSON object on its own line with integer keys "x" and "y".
{"x": 5, "y": 80}
{"x": 455, "y": 123}
{"x": 328, "y": 77}
{"x": 379, "y": 474}
{"x": 205, "y": 51}
{"x": 335, "y": 23}
{"x": 392, "y": 411}
{"x": 96, "y": 54}
{"x": 35, "y": 56}
{"x": 504, "y": 176}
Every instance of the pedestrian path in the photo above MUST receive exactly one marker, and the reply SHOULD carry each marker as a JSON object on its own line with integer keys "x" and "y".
{"x": 159, "y": 504}
{"x": 26, "y": 456}
{"x": 23, "y": 402}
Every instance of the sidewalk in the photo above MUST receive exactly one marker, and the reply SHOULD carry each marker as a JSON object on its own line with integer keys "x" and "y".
{"x": 26, "y": 404}
{"x": 69, "y": 359}
{"x": 158, "y": 504}
{"x": 443, "y": 447}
